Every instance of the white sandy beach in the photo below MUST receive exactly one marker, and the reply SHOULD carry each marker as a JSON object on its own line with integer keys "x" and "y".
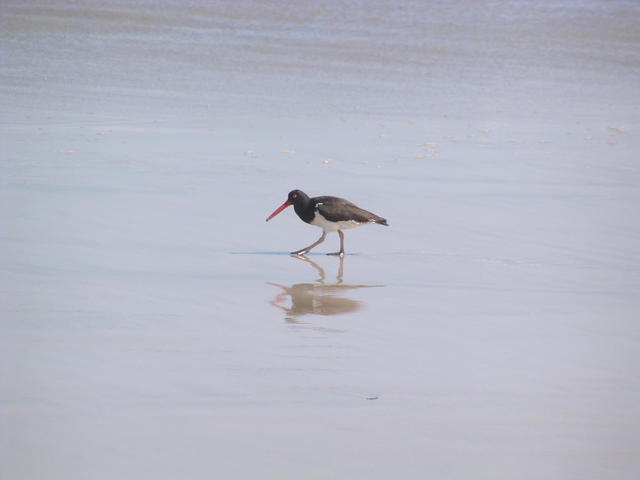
{"x": 153, "y": 326}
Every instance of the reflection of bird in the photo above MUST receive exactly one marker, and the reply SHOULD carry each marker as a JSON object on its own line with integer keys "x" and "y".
{"x": 317, "y": 298}
{"x": 332, "y": 214}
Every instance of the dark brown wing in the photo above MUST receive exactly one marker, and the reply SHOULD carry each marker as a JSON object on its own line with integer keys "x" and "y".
{"x": 337, "y": 209}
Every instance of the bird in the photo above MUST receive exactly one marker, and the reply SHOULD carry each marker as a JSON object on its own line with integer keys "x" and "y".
{"x": 332, "y": 214}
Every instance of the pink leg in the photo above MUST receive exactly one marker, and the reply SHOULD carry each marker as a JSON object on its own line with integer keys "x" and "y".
{"x": 341, "y": 252}
{"x": 304, "y": 250}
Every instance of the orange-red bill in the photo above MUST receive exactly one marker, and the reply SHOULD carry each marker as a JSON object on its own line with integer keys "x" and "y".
{"x": 278, "y": 210}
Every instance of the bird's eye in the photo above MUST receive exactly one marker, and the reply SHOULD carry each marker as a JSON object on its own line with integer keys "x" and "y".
{"x": 295, "y": 195}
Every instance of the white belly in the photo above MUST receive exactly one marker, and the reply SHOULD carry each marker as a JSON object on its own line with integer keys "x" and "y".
{"x": 320, "y": 221}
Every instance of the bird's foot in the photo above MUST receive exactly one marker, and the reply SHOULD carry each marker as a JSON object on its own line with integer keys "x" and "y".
{"x": 300, "y": 253}
{"x": 337, "y": 254}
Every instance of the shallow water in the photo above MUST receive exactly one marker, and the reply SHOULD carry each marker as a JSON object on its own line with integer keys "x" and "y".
{"x": 154, "y": 326}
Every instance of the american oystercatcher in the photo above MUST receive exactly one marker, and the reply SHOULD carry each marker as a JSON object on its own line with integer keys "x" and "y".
{"x": 331, "y": 214}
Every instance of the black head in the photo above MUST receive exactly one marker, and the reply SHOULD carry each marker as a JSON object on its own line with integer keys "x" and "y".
{"x": 296, "y": 197}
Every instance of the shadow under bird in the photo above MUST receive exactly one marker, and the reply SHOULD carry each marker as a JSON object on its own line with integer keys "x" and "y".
{"x": 332, "y": 214}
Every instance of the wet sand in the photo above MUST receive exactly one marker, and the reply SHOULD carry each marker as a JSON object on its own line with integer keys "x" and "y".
{"x": 154, "y": 326}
